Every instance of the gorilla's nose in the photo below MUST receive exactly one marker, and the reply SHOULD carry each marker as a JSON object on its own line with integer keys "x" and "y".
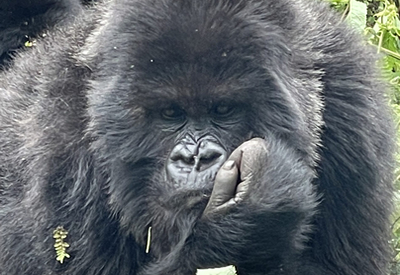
{"x": 209, "y": 154}
{"x": 200, "y": 160}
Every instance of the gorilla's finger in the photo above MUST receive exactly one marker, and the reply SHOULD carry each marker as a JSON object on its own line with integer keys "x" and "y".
{"x": 250, "y": 157}
{"x": 253, "y": 157}
{"x": 224, "y": 186}
{"x": 242, "y": 190}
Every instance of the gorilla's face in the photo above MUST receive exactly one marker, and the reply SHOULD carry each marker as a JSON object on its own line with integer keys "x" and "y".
{"x": 172, "y": 133}
{"x": 170, "y": 104}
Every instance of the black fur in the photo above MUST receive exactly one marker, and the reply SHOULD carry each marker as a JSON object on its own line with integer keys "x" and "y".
{"x": 23, "y": 21}
{"x": 83, "y": 144}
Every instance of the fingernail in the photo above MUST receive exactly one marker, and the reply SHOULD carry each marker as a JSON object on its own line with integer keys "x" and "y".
{"x": 229, "y": 165}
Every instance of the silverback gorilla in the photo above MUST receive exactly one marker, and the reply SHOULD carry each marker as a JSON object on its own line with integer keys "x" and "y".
{"x": 166, "y": 136}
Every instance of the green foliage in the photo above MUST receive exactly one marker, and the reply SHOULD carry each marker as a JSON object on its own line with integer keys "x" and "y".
{"x": 59, "y": 235}
{"x": 339, "y": 5}
{"x": 385, "y": 34}
{"x": 357, "y": 16}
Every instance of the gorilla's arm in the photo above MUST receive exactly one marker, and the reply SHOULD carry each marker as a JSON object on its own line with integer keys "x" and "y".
{"x": 356, "y": 160}
{"x": 258, "y": 212}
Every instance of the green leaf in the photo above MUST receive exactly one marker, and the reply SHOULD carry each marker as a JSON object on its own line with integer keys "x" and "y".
{"x": 357, "y": 17}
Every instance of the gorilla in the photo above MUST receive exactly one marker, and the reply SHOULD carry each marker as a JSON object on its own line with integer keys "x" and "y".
{"x": 22, "y": 21}
{"x": 164, "y": 136}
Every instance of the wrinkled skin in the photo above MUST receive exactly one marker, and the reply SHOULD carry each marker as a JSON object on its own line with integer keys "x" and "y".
{"x": 242, "y": 168}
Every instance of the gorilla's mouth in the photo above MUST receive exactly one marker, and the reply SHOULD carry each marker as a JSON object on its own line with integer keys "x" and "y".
{"x": 187, "y": 199}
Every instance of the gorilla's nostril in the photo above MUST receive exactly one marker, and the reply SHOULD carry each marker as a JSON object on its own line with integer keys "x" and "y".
{"x": 186, "y": 159}
{"x": 209, "y": 157}
{"x": 210, "y": 154}
{"x": 183, "y": 153}
{"x": 190, "y": 160}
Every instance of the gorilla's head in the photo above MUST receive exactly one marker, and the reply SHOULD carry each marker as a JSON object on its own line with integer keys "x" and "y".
{"x": 178, "y": 88}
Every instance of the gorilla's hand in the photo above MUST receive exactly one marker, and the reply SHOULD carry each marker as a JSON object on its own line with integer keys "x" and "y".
{"x": 262, "y": 197}
{"x": 242, "y": 169}
{"x": 262, "y": 193}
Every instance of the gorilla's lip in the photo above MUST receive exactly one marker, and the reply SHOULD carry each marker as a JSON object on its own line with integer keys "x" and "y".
{"x": 187, "y": 199}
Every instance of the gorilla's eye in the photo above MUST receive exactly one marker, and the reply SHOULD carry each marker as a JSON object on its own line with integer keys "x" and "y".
{"x": 223, "y": 109}
{"x": 172, "y": 113}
